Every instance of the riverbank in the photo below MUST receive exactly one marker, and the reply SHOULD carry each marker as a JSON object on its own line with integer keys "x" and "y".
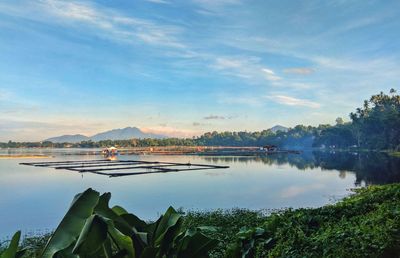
{"x": 17, "y": 156}
{"x": 366, "y": 224}
{"x": 395, "y": 154}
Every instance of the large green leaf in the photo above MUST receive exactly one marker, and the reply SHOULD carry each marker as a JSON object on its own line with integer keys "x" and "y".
{"x": 124, "y": 222}
{"x": 168, "y": 220}
{"x": 71, "y": 225}
{"x": 149, "y": 252}
{"x": 11, "y": 251}
{"x": 122, "y": 242}
{"x": 119, "y": 210}
{"x": 195, "y": 244}
{"x": 92, "y": 237}
{"x": 168, "y": 227}
{"x": 134, "y": 221}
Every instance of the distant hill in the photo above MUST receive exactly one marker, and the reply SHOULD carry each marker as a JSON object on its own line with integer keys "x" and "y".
{"x": 115, "y": 134}
{"x": 68, "y": 138}
{"x": 277, "y": 128}
{"x": 124, "y": 134}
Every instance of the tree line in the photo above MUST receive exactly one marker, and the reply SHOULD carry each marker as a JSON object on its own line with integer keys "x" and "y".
{"x": 376, "y": 125}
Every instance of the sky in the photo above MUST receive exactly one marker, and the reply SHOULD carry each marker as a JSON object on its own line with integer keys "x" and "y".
{"x": 185, "y": 67}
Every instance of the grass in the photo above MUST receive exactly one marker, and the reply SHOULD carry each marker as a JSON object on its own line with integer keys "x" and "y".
{"x": 395, "y": 154}
{"x": 366, "y": 224}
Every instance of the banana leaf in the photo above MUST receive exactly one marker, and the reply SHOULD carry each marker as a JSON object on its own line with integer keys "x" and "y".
{"x": 12, "y": 249}
{"x": 71, "y": 225}
{"x": 92, "y": 237}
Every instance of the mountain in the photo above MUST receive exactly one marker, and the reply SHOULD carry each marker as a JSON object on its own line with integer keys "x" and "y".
{"x": 69, "y": 138}
{"x": 277, "y": 128}
{"x": 124, "y": 134}
{"x": 115, "y": 134}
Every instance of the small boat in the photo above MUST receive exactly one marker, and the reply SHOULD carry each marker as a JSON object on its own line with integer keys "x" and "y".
{"x": 112, "y": 151}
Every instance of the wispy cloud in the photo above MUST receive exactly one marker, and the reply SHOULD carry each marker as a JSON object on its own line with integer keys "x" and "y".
{"x": 249, "y": 68}
{"x": 299, "y": 70}
{"x": 158, "y": 1}
{"x": 251, "y": 101}
{"x": 216, "y": 4}
{"x": 214, "y": 117}
{"x": 113, "y": 25}
{"x": 200, "y": 124}
{"x": 215, "y": 8}
{"x": 291, "y": 101}
{"x": 270, "y": 75}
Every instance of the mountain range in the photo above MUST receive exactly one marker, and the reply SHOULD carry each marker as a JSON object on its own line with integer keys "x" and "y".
{"x": 123, "y": 134}
{"x": 115, "y": 134}
{"x": 277, "y": 128}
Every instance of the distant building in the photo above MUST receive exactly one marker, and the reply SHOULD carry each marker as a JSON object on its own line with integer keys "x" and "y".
{"x": 270, "y": 148}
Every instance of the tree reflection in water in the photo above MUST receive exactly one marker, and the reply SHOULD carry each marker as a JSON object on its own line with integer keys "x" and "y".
{"x": 369, "y": 167}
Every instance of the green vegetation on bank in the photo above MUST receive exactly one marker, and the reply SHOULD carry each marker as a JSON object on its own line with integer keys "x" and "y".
{"x": 374, "y": 126}
{"x": 366, "y": 224}
{"x": 395, "y": 154}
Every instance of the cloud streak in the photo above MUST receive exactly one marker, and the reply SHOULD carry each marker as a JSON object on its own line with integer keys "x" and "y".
{"x": 249, "y": 68}
{"x": 299, "y": 70}
{"x": 158, "y": 1}
{"x": 115, "y": 26}
{"x": 291, "y": 101}
{"x": 214, "y": 117}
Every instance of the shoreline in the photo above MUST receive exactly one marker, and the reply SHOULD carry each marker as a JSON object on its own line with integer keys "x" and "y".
{"x": 348, "y": 225}
{"x": 10, "y": 156}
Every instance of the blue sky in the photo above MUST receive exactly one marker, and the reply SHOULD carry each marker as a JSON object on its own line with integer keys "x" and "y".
{"x": 187, "y": 67}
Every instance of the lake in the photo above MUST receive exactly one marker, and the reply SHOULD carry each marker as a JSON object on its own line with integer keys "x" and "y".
{"x": 34, "y": 199}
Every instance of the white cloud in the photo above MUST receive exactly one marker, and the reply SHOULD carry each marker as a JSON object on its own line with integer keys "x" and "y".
{"x": 299, "y": 70}
{"x": 270, "y": 75}
{"x": 213, "y": 4}
{"x": 158, "y": 1}
{"x": 114, "y": 26}
{"x": 249, "y": 68}
{"x": 300, "y": 85}
{"x": 291, "y": 101}
{"x": 237, "y": 100}
{"x": 214, "y": 117}
{"x": 215, "y": 7}
{"x": 228, "y": 63}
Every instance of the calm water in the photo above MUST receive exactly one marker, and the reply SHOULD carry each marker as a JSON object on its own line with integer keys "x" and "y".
{"x": 33, "y": 198}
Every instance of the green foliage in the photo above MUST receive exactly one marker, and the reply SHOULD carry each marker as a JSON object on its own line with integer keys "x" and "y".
{"x": 227, "y": 223}
{"x": 299, "y": 136}
{"x": 12, "y": 250}
{"x": 374, "y": 126}
{"x": 91, "y": 228}
{"x": 364, "y": 225}
{"x": 71, "y": 225}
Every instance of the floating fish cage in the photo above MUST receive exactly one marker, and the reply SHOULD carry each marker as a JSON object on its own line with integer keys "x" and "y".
{"x": 117, "y": 168}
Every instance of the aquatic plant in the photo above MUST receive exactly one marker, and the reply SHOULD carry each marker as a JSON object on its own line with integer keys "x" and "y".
{"x": 12, "y": 250}
{"x": 90, "y": 228}
{"x": 366, "y": 224}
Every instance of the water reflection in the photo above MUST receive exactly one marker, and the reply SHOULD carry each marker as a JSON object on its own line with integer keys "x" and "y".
{"x": 311, "y": 179}
{"x": 369, "y": 167}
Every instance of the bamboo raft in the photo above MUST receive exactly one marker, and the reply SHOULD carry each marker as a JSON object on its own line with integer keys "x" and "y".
{"x": 118, "y": 168}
